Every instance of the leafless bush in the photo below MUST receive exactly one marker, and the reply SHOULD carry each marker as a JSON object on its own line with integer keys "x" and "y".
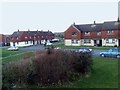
{"x": 57, "y": 67}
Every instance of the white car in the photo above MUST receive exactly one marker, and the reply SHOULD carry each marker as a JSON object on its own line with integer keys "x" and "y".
{"x": 48, "y": 44}
{"x": 85, "y": 50}
{"x": 14, "y": 48}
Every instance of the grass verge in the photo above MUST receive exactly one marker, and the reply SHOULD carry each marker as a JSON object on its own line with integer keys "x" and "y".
{"x": 62, "y": 46}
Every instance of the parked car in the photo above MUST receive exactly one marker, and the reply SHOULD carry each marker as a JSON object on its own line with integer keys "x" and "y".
{"x": 85, "y": 50}
{"x": 115, "y": 52}
{"x": 13, "y": 48}
{"x": 54, "y": 40}
{"x": 48, "y": 44}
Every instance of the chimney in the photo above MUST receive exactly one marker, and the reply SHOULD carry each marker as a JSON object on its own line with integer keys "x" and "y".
{"x": 18, "y": 30}
{"x": 94, "y": 22}
{"x": 74, "y": 23}
{"x": 118, "y": 20}
{"x": 28, "y": 29}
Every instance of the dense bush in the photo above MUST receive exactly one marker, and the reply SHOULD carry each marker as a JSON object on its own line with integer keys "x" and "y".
{"x": 47, "y": 68}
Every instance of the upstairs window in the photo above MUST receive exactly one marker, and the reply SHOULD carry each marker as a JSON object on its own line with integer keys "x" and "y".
{"x": 25, "y": 37}
{"x": 87, "y": 33}
{"x": 17, "y": 38}
{"x": 74, "y": 33}
{"x": 110, "y": 32}
{"x": 98, "y": 33}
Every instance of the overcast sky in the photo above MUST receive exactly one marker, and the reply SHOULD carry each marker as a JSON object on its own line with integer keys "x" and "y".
{"x": 54, "y": 16}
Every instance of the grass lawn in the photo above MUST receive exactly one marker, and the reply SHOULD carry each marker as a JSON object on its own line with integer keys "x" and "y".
{"x": 104, "y": 75}
{"x": 20, "y": 56}
{"x": 6, "y": 53}
{"x": 77, "y": 47}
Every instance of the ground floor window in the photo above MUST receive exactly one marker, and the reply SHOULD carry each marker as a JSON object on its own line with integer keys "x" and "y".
{"x": 87, "y": 41}
{"x": 26, "y": 42}
{"x": 74, "y": 41}
{"x": 110, "y": 40}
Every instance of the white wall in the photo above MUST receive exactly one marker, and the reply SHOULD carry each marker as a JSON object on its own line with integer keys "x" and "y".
{"x": 21, "y": 44}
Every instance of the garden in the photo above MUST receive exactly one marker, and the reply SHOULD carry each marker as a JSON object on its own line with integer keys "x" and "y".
{"x": 60, "y": 69}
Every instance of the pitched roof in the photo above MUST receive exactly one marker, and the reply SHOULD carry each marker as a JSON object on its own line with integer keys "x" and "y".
{"x": 32, "y": 33}
{"x": 17, "y": 34}
{"x": 113, "y": 25}
{"x": 89, "y": 27}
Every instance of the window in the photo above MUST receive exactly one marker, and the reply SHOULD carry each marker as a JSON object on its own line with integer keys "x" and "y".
{"x": 25, "y": 37}
{"x": 12, "y": 38}
{"x": 110, "y": 40}
{"x": 87, "y": 41}
{"x": 110, "y": 32}
{"x": 87, "y": 33}
{"x": 17, "y": 38}
{"x": 74, "y": 33}
{"x": 74, "y": 41}
{"x": 98, "y": 33}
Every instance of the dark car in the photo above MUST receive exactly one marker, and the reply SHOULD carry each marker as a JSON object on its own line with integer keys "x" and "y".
{"x": 115, "y": 52}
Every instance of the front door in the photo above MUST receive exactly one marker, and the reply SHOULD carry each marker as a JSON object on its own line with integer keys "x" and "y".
{"x": 118, "y": 42}
{"x": 95, "y": 43}
{"x": 13, "y": 43}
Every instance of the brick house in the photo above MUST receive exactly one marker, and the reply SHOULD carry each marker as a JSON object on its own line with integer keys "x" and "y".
{"x": 4, "y": 40}
{"x": 27, "y": 38}
{"x": 96, "y": 34}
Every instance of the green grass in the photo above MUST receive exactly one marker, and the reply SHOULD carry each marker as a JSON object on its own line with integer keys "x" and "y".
{"x": 6, "y": 53}
{"x": 104, "y": 75}
{"x": 77, "y": 47}
{"x": 13, "y": 58}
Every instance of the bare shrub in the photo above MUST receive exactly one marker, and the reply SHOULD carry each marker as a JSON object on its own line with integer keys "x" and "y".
{"x": 56, "y": 67}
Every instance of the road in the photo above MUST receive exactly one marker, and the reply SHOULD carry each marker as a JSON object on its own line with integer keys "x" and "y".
{"x": 41, "y": 48}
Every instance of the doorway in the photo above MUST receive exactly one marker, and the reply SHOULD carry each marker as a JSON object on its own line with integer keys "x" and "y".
{"x": 118, "y": 42}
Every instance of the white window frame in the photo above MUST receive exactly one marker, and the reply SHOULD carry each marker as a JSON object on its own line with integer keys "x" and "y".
{"x": 98, "y": 33}
{"x": 110, "y": 32}
{"x": 74, "y": 33}
{"x": 87, "y": 33}
{"x": 110, "y": 41}
{"x": 87, "y": 41}
{"x": 74, "y": 41}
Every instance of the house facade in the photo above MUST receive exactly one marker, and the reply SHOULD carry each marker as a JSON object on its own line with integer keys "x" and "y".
{"x": 27, "y": 38}
{"x": 4, "y": 40}
{"x": 96, "y": 34}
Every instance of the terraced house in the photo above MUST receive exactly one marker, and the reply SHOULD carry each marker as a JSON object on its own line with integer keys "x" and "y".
{"x": 96, "y": 34}
{"x": 27, "y": 38}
